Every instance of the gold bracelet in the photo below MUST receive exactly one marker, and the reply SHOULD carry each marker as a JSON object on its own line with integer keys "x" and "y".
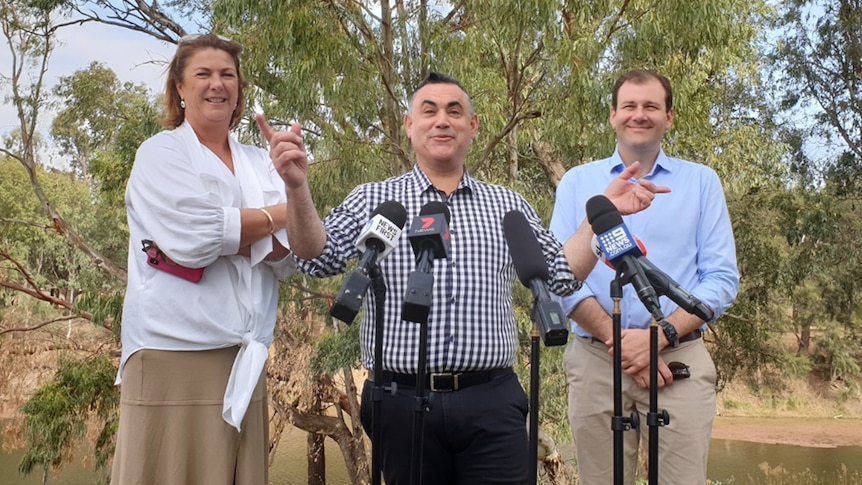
{"x": 269, "y": 218}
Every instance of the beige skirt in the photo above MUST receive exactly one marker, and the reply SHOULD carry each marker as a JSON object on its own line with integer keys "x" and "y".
{"x": 171, "y": 430}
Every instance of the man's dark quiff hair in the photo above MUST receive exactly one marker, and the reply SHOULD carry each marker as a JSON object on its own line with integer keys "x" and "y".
{"x": 643, "y": 76}
{"x": 437, "y": 78}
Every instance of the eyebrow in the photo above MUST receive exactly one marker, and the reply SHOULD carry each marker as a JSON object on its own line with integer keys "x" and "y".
{"x": 450, "y": 104}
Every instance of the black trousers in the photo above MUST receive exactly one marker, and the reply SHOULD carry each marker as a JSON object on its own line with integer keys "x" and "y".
{"x": 473, "y": 436}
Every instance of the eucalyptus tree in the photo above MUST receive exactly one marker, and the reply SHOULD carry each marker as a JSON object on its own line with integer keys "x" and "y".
{"x": 92, "y": 103}
{"x": 816, "y": 69}
{"x": 30, "y": 35}
{"x": 540, "y": 74}
{"x": 818, "y": 61}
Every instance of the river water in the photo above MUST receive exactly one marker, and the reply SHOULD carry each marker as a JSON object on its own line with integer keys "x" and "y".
{"x": 730, "y": 461}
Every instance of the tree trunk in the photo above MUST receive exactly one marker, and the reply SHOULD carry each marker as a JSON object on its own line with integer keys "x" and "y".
{"x": 316, "y": 459}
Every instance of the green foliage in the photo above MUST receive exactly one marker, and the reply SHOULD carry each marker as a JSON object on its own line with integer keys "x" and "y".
{"x": 796, "y": 366}
{"x": 540, "y": 74}
{"x": 106, "y": 308}
{"x": 828, "y": 31}
{"x": 31, "y": 239}
{"x": 337, "y": 350}
{"x": 57, "y": 415}
{"x": 839, "y": 352}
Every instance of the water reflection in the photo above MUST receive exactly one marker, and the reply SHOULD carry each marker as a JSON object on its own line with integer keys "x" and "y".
{"x": 730, "y": 461}
{"x": 288, "y": 468}
{"x": 740, "y": 460}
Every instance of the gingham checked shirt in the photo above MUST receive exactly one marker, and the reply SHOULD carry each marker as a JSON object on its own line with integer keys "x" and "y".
{"x": 471, "y": 325}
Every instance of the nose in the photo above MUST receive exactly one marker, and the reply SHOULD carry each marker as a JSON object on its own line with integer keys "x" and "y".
{"x": 442, "y": 119}
{"x": 217, "y": 81}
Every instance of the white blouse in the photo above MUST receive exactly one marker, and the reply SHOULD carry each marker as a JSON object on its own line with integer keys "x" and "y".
{"x": 184, "y": 198}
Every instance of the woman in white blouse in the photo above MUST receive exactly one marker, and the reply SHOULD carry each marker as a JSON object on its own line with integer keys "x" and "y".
{"x": 200, "y": 304}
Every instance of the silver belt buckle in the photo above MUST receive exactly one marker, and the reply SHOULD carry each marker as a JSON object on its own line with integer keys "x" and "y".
{"x": 442, "y": 376}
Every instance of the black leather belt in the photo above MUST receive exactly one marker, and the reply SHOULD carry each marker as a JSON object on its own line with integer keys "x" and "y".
{"x": 693, "y": 335}
{"x": 443, "y": 381}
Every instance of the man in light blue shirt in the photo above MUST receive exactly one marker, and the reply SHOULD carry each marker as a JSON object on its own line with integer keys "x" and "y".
{"x": 688, "y": 235}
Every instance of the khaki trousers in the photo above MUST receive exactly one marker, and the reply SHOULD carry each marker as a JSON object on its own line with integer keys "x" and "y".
{"x": 683, "y": 444}
{"x": 171, "y": 431}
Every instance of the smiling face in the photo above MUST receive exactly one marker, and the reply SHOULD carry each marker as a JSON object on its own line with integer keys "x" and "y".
{"x": 441, "y": 125}
{"x": 210, "y": 87}
{"x": 641, "y": 117}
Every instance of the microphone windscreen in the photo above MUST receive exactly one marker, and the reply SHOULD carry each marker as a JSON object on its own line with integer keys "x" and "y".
{"x": 602, "y": 214}
{"x": 436, "y": 207}
{"x": 524, "y": 248}
{"x": 393, "y": 211}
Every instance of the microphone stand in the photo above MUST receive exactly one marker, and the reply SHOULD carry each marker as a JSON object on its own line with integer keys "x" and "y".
{"x": 534, "y": 402}
{"x": 619, "y": 423}
{"x": 377, "y": 392}
{"x": 418, "y": 314}
{"x": 655, "y": 420}
{"x": 420, "y": 407}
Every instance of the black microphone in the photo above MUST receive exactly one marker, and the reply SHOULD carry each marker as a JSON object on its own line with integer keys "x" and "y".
{"x": 376, "y": 240}
{"x": 429, "y": 236}
{"x": 621, "y": 250}
{"x": 532, "y": 270}
{"x": 665, "y": 285}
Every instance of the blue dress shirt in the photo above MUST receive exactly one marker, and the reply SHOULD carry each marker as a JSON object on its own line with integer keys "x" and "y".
{"x": 687, "y": 234}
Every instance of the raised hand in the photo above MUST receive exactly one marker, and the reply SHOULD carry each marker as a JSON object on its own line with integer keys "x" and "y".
{"x": 287, "y": 152}
{"x": 630, "y": 196}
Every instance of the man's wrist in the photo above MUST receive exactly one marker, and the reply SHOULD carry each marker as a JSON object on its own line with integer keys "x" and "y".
{"x": 670, "y": 333}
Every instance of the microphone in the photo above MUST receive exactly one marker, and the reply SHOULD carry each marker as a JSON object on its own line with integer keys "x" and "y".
{"x": 663, "y": 284}
{"x": 620, "y": 248}
{"x": 532, "y": 270}
{"x": 376, "y": 240}
{"x": 429, "y": 236}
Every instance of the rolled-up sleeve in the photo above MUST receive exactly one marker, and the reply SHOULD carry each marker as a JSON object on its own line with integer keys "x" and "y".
{"x": 180, "y": 208}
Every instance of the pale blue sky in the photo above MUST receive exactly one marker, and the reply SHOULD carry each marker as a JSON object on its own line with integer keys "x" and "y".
{"x": 131, "y": 55}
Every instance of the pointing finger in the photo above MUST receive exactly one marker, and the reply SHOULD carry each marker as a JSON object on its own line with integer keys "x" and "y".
{"x": 265, "y": 129}
{"x": 296, "y": 128}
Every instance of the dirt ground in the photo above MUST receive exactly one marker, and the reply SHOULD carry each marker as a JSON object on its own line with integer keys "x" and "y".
{"x": 809, "y": 413}
{"x": 815, "y": 433}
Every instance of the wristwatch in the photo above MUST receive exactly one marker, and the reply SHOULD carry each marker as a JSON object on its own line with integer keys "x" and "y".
{"x": 670, "y": 333}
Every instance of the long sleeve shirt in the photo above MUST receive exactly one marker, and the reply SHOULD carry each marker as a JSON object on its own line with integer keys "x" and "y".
{"x": 183, "y": 197}
{"x": 471, "y": 325}
{"x": 687, "y": 234}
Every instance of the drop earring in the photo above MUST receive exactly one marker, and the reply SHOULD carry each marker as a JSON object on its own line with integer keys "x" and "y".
{"x": 183, "y": 103}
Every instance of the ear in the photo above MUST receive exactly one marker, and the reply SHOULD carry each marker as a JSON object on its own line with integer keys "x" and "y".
{"x": 179, "y": 87}
{"x": 408, "y": 123}
{"x": 669, "y": 118}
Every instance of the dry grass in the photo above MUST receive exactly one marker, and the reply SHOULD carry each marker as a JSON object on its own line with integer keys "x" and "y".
{"x": 799, "y": 398}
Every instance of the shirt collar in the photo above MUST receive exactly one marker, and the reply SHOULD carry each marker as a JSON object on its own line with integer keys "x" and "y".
{"x": 422, "y": 184}
{"x": 662, "y": 163}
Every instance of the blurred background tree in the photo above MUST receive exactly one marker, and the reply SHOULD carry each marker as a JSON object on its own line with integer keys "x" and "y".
{"x": 763, "y": 93}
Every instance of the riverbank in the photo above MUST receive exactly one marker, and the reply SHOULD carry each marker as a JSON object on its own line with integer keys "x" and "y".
{"x": 798, "y": 431}
{"x": 741, "y": 413}
{"x": 806, "y": 413}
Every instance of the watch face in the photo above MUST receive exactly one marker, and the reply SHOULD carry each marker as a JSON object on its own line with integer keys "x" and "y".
{"x": 669, "y": 332}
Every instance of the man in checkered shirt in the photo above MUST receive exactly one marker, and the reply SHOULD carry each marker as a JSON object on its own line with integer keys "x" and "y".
{"x": 475, "y": 428}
